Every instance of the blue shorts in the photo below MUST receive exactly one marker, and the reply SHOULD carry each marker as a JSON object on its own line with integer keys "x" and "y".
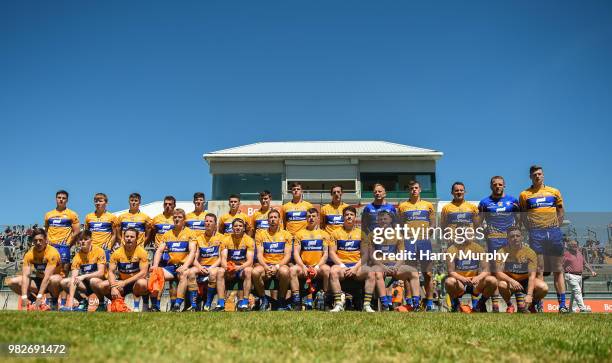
{"x": 164, "y": 259}
{"x": 64, "y": 252}
{"x": 171, "y": 269}
{"x": 423, "y": 245}
{"x": 546, "y": 241}
{"x": 108, "y": 255}
{"x": 350, "y": 264}
{"x": 494, "y": 244}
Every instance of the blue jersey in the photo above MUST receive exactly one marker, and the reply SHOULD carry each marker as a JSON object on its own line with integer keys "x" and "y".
{"x": 499, "y": 214}
{"x": 370, "y": 212}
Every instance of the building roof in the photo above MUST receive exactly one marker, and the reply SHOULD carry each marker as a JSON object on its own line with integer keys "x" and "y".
{"x": 289, "y": 149}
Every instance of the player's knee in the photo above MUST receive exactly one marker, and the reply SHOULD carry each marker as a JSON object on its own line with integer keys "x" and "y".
{"x": 450, "y": 282}
{"x": 248, "y": 272}
{"x": 14, "y": 283}
{"x": 502, "y": 285}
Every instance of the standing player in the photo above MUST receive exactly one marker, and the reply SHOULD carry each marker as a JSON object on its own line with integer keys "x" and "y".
{"x": 499, "y": 212}
{"x": 467, "y": 273}
{"x": 61, "y": 224}
{"x": 542, "y": 214}
{"x": 273, "y": 254}
{"x": 294, "y": 211}
{"x": 259, "y": 219}
{"x": 518, "y": 274}
{"x": 88, "y": 267}
{"x": 164, "y": 221}
{"x": 196, "y": 219}
{"x": 206, "y": 266}
{"x": 331, "y": 214}
{"x": 368, "y": 216}
{"x": 127, "y": 273}
{"x": 40, "y": 273}
{"x": 226, "y": 220}
{"x": 134, "y": 218}
{"x": 419, "y": 216}
{"x": 102, "y": 224}
{"x": 237, "y": 264}
{"x": 459, "y": 214}
{"x": 179, "y": 244}
{"x": 346, "y": 251}
{"x": 311, "y": 250}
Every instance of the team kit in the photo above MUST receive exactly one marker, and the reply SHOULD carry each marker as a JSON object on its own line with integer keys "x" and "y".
{"x": 280, "y": 258}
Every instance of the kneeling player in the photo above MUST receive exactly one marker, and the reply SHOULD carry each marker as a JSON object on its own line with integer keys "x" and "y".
{"x": 179, "y": 244}
{"x": 206, "y": 266}
{"x": 311, "y": 249}
{"x": 237, "y": 264}
{"x": 469, "y": 274}
{"x": 518, "y": 274}
{"x": 88, "y": 267}
{"x": 41, "y": 267}
{"x": 273, "y": 254}
{"x": 346, "y": 251}
{"x": 131, "y": 262}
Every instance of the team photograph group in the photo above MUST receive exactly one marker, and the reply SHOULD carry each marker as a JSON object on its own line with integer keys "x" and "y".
{"x": 281, "y": 258}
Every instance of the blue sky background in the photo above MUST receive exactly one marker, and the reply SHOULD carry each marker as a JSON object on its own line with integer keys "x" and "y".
{"x": 120, "y": 96}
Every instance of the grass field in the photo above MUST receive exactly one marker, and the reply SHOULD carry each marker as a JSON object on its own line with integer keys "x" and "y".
{"x": 315, "y": 336}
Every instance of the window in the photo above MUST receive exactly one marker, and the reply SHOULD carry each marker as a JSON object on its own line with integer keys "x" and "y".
{"x": 396, "y": 184}
{"x": 247, "y": 185}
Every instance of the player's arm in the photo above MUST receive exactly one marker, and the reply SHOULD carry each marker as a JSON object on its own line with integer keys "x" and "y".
{"x": 443, "y": 219}
{"x": 149, "y": 233}
{"x": 287, "y": 254}
{"x": 49, "y": 271}
{"x": 74, "y": 281}
{"x": 185, "y": 266}
{"x": 260, "y": 257}
{"x": 221, "y": 227}
{"x": 588, "y": 267}
{"x": 223, "y": 258}
{"x": 297, "y": 250}
{"x": 114, "y": 232}
{"x": 112, "y": 280}
{"x": 25, "y": 280}
{"x": 76, "y": 228}
{"x": 249, "y": 260}
{"x": 476, "y": 218}
{"x": 523, "y": 211}
{"x": 333, "y": 249}
{"x": 118, "y": 233}
{"x": 158, "y": 254}
{"x": 432, "y": 217}
{"x": 325, "y": 257}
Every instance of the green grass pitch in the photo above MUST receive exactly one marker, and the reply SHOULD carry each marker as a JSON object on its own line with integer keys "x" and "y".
{"x": 315, "y": 336}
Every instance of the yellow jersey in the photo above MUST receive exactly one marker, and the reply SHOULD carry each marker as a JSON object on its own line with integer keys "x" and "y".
{"x": 467, "y": 266}
{"x": 101, "y": 229}
{"x": 88, "y": 262}
{"x": 348, "y": 245}
{"x": 138, "y": 220}
{"x": 237, "y": 249}
{"x": 177, "y": 245}
{"x": 294, "y": 215}
{"x": 209, "y": 248}
{"x": 313, "y": 245}
{"x": 459, "y": 214}
{"x": 273, "y": 245}
{"x": 331, "y": 217}
{"x": 520, "y": 262}
{"x": 393, "y": 245}
{"x": 160, "y": 225}
{"x": 195, "y": 222}
{"x": 227, "y": 219}
{"x": 129, "y": 264}
{"x": 259, "y": 220}
{"x": 541, "y": 206}
{"x": 40, "y": 260}
{"x": 417, "y": 216}
{"x": 60, "y": 224}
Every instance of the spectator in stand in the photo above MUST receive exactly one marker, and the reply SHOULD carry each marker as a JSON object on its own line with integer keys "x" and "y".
{"x": 573, "y": 264}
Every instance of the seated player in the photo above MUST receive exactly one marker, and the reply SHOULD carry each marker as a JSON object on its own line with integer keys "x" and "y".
{"x": 40, "y": 274}
{"x": 382, "y": 265}
{"x": 179, "y": 244}
{"x": 468, "y": 275}
{"x": 131, "y": 263}
{"x": 88, "y": 267}
{"x": 311, "y": 250}
{"x": 273, "y": 254}
{"x": 206, "y": 266}
{"x": 236, "y": 264}
{"x": 518, "y": 274}
{"x": 346, "y": 251}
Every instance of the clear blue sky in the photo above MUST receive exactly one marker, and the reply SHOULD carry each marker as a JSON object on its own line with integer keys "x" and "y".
{"x": 122, "y": 96}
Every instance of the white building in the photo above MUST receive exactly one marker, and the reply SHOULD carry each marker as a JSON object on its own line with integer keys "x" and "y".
{"x": 356, "y": 165}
